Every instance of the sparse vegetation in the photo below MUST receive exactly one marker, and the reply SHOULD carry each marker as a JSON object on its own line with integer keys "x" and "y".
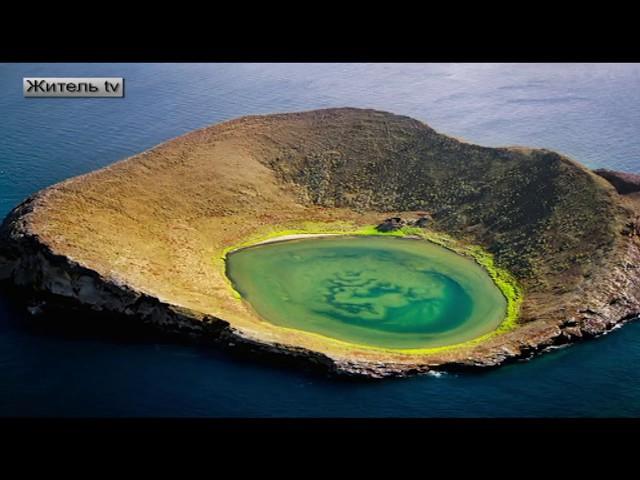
{"x": 543, "y": 226}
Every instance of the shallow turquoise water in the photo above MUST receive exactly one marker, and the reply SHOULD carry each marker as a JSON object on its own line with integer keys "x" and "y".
{"x": 591, "y": 112}
{"x": 381, "y": 291}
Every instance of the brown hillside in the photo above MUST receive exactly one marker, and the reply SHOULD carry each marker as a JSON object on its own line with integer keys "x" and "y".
{"x": 158, "y": 222}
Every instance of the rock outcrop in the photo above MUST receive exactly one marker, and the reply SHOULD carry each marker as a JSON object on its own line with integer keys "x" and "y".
{"x": 623, "y": 182}
{"x": 392, "y": 224}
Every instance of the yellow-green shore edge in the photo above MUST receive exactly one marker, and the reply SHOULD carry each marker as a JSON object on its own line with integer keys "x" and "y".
{"x": 502, "y": 278}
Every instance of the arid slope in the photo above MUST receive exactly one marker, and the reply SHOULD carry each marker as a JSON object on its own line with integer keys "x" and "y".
{"x": 156, "y": 225}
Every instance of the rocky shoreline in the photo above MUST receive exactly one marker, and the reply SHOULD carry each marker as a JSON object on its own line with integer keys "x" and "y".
{"x": 81, "y": 240}
{"x": 55, "y": 279}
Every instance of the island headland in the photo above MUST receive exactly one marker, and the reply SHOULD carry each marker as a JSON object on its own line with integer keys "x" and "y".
{"x": 147, "y": 237}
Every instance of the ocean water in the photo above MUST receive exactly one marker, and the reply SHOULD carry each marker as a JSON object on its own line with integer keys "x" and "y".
{"x": 589, "y": 112}
{"x": 383, "y": 291}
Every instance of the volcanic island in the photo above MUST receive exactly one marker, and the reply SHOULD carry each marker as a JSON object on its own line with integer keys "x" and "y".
{"x": 354, "y": 240}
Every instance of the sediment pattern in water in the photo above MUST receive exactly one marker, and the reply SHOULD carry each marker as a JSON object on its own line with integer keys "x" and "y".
{"x": 384, "y": 292}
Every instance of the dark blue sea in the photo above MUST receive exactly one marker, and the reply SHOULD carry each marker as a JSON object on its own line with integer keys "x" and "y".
{"x": 589, "y": 112}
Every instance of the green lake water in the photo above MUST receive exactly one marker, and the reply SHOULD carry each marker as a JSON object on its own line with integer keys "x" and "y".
{"x": 382, "y": 291}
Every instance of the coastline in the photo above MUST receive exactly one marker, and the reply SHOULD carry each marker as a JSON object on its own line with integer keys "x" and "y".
{"x": 170, "y": 273}
{"x": 192, "y": 324}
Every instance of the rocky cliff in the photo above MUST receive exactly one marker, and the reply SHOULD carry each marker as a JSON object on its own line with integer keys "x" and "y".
{"x": 145, "y": 237}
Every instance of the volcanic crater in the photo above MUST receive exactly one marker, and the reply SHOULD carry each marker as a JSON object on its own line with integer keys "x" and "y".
{"x": 149, "y": 237}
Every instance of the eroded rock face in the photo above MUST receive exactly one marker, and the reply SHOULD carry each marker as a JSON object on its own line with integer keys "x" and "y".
{"x": 41, "y": 271}
{"x": 623, "y": 182}
{"x": 396, "y": 223}
{"x": 391, "y": 224}
{"x": 137, "y": 239}
{"x": 421, "y": 222}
